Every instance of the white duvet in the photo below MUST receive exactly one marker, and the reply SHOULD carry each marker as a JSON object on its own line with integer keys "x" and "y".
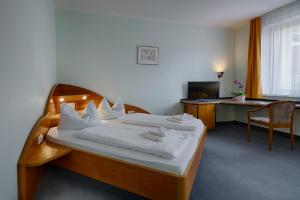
{"x": 122, "y": 136}
{"x": 175, "y": 166}
{"x": 141, "y": 119}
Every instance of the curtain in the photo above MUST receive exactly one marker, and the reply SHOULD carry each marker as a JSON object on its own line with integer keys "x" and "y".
{"x": 280, "y": 51}
{"x": 253, "y": 83}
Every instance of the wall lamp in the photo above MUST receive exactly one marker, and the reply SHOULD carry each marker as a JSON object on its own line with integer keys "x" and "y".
{"x": 220, "y": 74}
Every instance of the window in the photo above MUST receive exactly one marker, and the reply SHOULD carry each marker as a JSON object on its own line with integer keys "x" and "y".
{"x": 280, "y": 52}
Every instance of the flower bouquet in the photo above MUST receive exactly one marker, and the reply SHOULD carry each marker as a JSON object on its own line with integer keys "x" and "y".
{"x": 239, "y": 95}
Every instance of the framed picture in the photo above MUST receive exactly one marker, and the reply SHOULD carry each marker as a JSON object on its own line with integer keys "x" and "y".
{"x": 147, "y": 55}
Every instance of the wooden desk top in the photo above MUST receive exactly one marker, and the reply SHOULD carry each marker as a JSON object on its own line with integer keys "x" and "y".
{"x": 245, "y": 103}
{"x": 231, "y": 102}
{"x": 212, "y": 101}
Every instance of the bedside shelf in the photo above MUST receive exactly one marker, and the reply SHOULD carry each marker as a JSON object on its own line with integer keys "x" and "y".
{"x": 46, "y": 152}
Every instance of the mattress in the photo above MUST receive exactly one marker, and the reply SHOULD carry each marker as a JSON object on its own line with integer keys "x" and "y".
{"x": 175, "y": 166}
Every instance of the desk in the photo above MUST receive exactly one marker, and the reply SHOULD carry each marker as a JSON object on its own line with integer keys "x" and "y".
{"x": 206, "y": 110}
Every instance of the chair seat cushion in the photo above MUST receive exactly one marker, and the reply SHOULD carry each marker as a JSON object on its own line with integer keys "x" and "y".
{"x": 260, "y": 119}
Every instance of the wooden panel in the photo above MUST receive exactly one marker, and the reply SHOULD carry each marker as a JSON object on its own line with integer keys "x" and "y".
{"x": 147, "y": 182}
{"x": 79, "y": 96}
{"x": 131, "y": 108}
{"x": 31, "y": 169}
{"x": 46, "y": 152}
{"x": 191, "y": 109}
{"x": 41, "y": 128}
{"x": 127, "y": 176}
{"x": 188, "y": 181}
{"x": 207, "y": 113}
{"x": 28, "y": 180}
{"x": 249, "y": 102}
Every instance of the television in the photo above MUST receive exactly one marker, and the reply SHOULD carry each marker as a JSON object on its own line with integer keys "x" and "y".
{"x": 203, "y": 90}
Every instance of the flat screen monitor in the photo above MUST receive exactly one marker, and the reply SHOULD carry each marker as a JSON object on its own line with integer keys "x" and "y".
{"x": 203, "y": 90}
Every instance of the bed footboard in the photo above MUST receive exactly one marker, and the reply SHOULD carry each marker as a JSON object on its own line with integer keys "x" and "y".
{"x": 147, "y": 182}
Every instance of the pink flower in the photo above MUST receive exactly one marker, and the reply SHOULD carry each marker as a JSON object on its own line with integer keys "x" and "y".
{"x": 238, "y": 83}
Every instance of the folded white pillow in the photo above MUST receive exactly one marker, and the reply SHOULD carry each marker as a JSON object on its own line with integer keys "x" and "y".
{"x": 108, "y": 112}
{"x": 71, "y": 120}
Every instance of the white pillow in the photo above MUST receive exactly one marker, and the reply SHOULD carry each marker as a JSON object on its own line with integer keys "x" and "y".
{"x": 71, "y": 120}
{"x": 107, "y": 112}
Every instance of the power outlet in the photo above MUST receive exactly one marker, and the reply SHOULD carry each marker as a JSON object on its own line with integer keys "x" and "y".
{"x": 40, "y": 139}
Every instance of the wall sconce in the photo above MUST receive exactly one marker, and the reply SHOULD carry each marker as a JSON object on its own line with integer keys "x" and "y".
{"x": 61, "y": 99}
{"x": 220, "y": 74}
{"x": 84, "y": 97}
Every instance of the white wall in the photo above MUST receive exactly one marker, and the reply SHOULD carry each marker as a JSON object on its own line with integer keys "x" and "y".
{"x": 241, "y": 51}
{"x": 27, "y": 73}
{"x": 99, "y": 52}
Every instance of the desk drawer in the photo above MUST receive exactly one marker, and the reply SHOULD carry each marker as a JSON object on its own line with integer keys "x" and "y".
{"x": 207, "y": 113}
{"x": 191, "y": 109}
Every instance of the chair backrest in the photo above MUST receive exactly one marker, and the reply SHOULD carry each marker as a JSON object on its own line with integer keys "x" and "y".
{"x": 282, "y": 112}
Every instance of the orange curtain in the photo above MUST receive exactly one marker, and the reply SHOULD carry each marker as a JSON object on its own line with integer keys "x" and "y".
{"x": 253, "y": 83}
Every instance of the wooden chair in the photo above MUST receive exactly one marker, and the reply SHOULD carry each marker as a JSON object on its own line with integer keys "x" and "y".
{"x": 281, "y": 115}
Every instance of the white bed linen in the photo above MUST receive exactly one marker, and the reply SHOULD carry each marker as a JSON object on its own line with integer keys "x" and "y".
{"x": 121, "y": 136}
{"x": 157, "y": 121}
{"x": 176, "y": 165}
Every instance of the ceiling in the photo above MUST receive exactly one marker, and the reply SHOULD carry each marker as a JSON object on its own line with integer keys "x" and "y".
{"x": 220, "y": 13}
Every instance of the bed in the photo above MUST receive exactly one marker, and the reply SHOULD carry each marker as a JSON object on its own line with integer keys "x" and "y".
{"x": 147, "y": 175}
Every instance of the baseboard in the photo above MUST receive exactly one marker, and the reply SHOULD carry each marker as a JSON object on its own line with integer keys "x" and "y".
{"x": 234, "y": 122}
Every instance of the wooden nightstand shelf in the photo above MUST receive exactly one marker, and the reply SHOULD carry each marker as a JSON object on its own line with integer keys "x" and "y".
{"x": 46, "y": 152}
{"x": 31, "y": 167}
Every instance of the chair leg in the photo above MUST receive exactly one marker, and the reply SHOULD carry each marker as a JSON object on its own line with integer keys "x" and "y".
{"x": 248, "y": 132}
{"x": 270, "y": 138}
{"x": 292, "y": 137}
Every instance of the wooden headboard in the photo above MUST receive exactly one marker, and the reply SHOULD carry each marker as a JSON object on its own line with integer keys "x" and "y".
{"x": 79, "y": 96}
{"x": 62, "y": 93}
{"x": 30, "y": 165}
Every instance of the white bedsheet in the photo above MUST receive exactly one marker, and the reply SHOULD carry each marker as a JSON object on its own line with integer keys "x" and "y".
{"x": 124, "y": 137}
{"x": 176, "y": 165}
{"x": 157, "y": 121}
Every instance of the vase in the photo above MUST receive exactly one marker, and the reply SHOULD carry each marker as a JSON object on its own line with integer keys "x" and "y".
{"x": 240, "y": 98}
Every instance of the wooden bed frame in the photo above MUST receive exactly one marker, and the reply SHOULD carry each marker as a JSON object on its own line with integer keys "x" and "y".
{"x": 144, "y": 181}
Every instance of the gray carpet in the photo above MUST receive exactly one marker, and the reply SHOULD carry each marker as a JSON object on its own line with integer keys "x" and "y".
{"x": 231, "y": 169}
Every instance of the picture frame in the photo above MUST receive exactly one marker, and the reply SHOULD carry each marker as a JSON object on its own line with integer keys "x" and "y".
{"x": 147, "y": 55}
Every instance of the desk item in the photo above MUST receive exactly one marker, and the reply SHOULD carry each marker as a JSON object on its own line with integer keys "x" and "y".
{"x": 281, "y": 115}
{"x": 239, "y": 98}
{"x": 203, "y": 90}
{"x": 239, "y": 94}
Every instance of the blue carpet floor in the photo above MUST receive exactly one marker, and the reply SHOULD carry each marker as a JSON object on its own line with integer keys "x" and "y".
{"x": 231, "y": 169}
